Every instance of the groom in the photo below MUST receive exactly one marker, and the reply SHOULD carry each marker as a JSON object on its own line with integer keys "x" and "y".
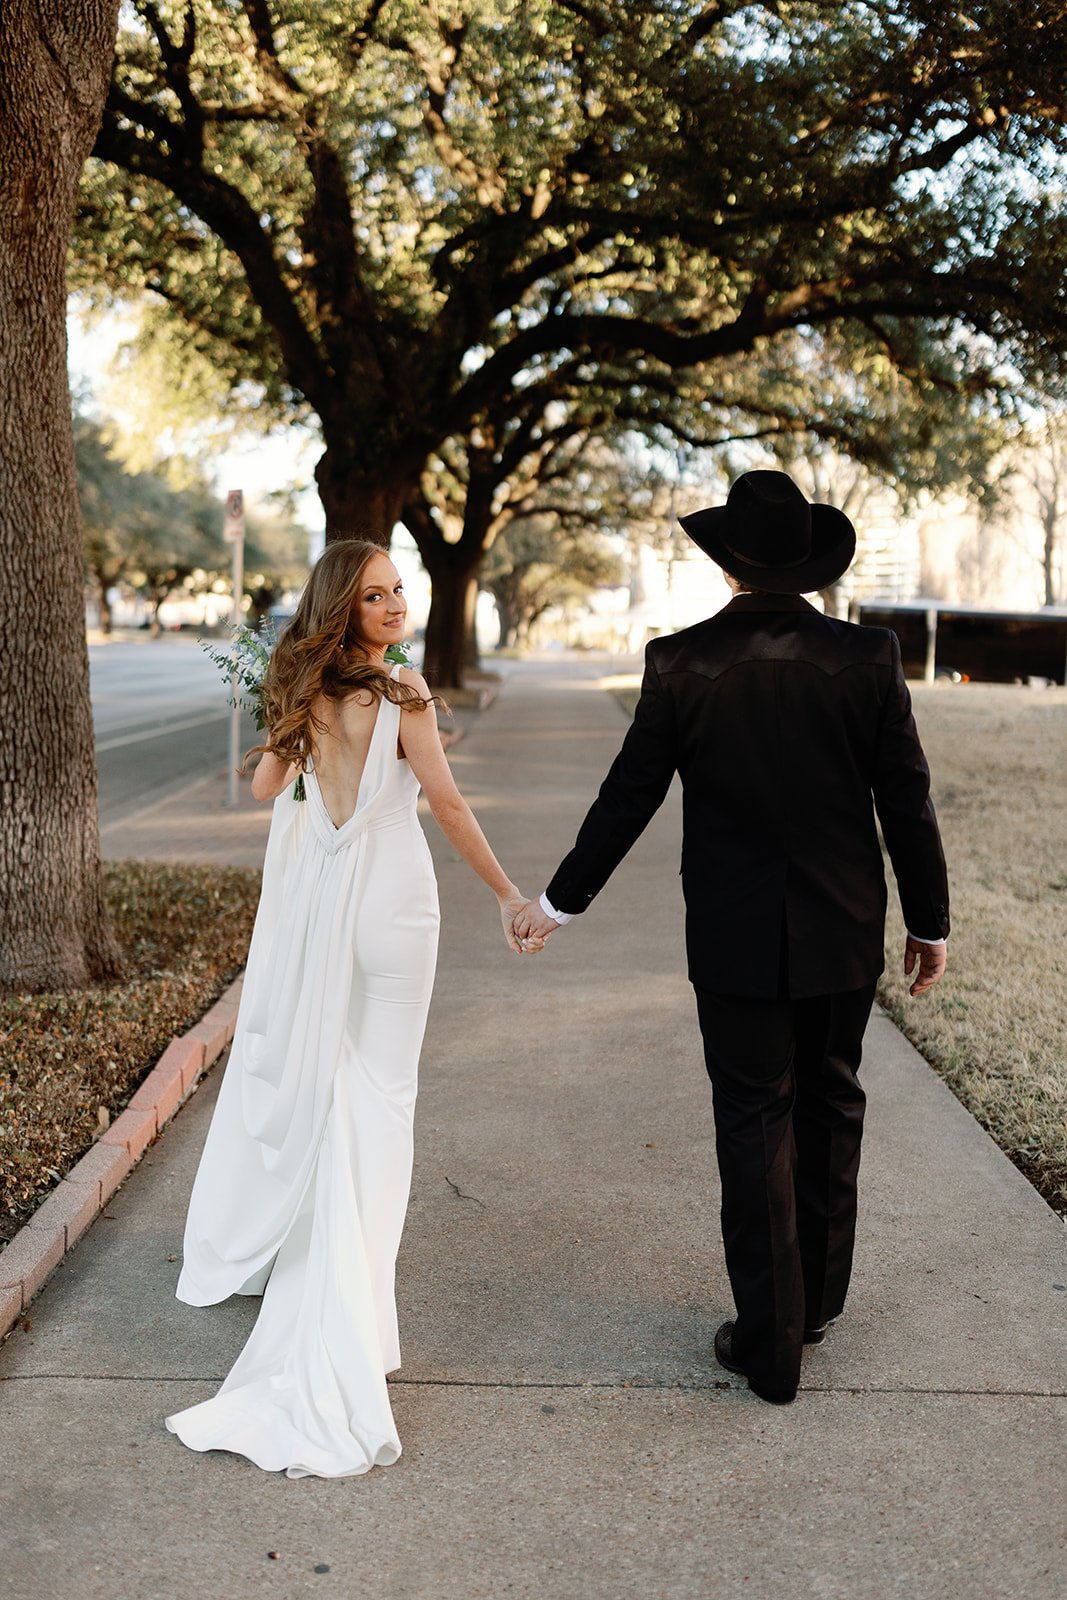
{"x": 784, "y": 725}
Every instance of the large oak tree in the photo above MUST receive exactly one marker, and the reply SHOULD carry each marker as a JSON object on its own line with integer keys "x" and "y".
{"x": 395, "y": 216}
{"x": 55, "y": 63}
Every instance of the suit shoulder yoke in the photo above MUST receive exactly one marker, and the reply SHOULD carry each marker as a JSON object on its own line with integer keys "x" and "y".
{"x": 727, "y": 639}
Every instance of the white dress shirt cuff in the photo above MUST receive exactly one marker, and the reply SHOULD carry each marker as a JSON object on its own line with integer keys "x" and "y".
{"x": 915, "y": 936}
{"x": 550, "y": 911}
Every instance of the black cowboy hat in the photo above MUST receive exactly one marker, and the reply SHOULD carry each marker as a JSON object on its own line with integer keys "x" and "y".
{"x": 770, "y": 537}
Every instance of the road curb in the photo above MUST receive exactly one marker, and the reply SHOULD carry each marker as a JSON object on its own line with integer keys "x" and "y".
{"x": 59, "y": 1222}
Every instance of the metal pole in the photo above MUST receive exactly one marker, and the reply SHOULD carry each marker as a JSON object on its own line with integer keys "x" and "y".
{"x": 233, "y": 532}
{"x": 931, "y": 643}
{"x": 675, "y": 536}
{"x": 235, "y": 687}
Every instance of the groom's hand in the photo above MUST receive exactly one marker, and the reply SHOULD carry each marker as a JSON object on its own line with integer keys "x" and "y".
{"x": 533, "y": 923}
{"x": 511, "y": 905}
{"x": 932, "y": 959}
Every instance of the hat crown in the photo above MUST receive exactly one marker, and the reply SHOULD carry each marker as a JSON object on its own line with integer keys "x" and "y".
{"x": 767, "y": 520}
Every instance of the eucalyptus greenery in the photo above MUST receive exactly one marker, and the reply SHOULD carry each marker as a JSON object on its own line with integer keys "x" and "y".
{"x": 243, "y": 663}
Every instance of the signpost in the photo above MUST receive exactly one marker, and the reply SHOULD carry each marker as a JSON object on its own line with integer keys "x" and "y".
{"x": 233, "y": 532}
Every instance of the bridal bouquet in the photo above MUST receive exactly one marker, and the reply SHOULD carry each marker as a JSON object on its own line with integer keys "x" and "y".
{"x": 244, "y": 662}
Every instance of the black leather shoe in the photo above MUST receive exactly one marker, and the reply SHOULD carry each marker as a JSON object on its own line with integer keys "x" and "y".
{"x": 724, "y": 1355}
{"x": 815, "y": 1335}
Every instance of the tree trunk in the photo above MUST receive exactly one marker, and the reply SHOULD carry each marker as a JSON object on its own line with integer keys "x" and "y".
{"x": 472, "y": 661}
{"x": 102, "y": 601}
{"x": 449, "y": 625}
{"x": 508, "y": 621}
{"x": 358, "y": 506}
{"x": 55, "y": 62}
{"x": 451, "y": 639}
{"x": 1048, "y": 556}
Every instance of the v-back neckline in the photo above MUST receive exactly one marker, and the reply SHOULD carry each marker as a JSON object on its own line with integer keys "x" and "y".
{"x": 339, "y": 827}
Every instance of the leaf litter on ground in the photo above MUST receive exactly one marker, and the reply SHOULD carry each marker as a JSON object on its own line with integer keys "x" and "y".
{"x": 70, "y": 1061}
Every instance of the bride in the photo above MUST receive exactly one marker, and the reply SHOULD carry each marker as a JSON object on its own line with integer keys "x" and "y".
{"x": 303, "y": 1183}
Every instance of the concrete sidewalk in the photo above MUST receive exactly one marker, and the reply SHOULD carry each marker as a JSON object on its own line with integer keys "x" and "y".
{"x": 566, "y": 1430}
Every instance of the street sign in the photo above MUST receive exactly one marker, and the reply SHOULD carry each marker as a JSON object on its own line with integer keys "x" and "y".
{"x": 233, "y": 527}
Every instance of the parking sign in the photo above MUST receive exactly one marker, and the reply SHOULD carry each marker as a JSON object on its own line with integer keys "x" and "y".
{"x": 233, "y": 527}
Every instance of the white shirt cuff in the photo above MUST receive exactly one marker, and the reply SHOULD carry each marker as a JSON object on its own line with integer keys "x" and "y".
{"x": 915, "y": 936}
{"x": 550, "y": 911}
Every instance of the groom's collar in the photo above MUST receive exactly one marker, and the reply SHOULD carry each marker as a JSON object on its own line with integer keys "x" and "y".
{"x": 767, "y": 602}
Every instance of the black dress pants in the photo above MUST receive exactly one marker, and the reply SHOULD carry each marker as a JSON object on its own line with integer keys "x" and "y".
{"x": 788, "y": 1125}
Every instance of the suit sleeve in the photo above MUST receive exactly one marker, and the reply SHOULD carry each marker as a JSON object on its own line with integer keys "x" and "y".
{"x": 906, "y": 813}
{"x": 629, "y": 797}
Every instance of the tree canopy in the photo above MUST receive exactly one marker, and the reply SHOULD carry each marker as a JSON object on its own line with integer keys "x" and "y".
{"x": 399, "y": 218}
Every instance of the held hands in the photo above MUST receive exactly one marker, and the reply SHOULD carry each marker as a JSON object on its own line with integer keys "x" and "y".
{"x": 533, "y": 926}
{"x": 525, "y": 925}
{"x": 932, "y": 959}
{"x": 512, "y": 905}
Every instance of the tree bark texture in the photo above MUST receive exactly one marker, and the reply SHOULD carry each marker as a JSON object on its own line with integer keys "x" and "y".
{"x": 55, "y": 62}
{"x": 357, "y": 504}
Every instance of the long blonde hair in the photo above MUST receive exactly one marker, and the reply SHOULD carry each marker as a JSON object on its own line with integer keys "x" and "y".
{"x": 320, "y": 652}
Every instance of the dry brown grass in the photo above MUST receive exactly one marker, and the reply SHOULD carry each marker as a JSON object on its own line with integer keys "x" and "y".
{"x": 996, "y": 1027}
{"x": 185, "y": 931}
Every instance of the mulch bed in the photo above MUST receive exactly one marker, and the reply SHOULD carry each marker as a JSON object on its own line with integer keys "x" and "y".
{"x": 70, "y": 1061}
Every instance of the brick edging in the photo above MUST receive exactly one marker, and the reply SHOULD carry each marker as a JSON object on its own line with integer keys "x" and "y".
{"x": 61, "y": 1219}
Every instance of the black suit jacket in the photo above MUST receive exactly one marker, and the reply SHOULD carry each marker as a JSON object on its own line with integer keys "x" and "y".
{"x": 789, "y": 730}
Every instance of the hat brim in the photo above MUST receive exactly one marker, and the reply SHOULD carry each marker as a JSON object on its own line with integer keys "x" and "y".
{"x": 833, "y": 545}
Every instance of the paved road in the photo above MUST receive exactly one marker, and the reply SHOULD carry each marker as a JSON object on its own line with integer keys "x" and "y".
{"x": 161, "y": 719}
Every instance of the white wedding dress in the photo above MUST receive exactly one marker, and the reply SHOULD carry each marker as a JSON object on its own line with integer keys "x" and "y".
{"x": 303, "y": 1183}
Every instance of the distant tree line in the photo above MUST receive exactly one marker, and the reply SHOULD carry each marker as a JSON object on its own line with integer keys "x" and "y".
{"x": 147, "y": 534}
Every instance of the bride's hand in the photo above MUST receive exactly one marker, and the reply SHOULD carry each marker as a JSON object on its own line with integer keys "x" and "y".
{"x": 510, "y": 907}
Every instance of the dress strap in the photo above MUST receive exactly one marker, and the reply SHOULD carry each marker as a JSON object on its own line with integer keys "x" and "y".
{"x": 395, "y": 674}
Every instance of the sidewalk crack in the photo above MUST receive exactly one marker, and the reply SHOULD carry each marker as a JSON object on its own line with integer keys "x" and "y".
{"x": 616, "y": 1385}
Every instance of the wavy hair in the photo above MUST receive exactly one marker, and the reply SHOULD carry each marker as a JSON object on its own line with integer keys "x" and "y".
{"x": 320, "y": 652}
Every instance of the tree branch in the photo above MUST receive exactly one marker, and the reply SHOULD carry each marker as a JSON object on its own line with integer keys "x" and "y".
{"x": 809, "y": 305}
{"x": 362, "y": 36}
{"x": 597, "y": 21}
{"x": 266, "y": 47}
{"x": 225, "y": 210}
{"x": 176, "y": 59}
{"x": 349, "y": 324}
{"x": 489, "y": 188}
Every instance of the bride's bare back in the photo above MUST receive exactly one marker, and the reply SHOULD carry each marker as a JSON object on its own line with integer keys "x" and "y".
{"x": 341, "y": 752}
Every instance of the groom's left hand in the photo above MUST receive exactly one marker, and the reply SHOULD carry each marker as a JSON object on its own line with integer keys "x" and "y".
{"x": 931, "y": 958}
